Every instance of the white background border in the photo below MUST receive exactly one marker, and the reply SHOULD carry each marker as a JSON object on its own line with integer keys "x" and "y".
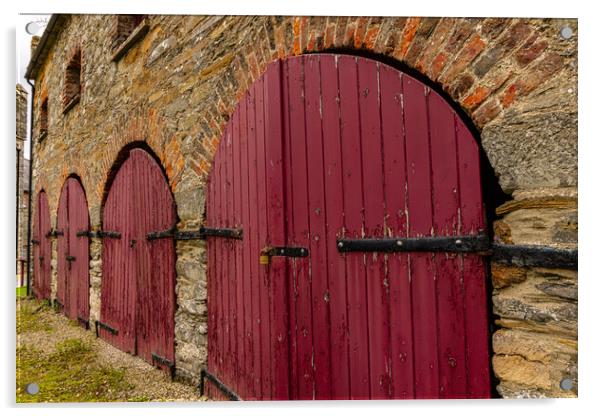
{"x": 590, "y": 112}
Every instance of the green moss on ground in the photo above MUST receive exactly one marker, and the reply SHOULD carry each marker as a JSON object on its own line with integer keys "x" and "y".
{"x": 70, "y": 374}
{"x": 30, "y": 317}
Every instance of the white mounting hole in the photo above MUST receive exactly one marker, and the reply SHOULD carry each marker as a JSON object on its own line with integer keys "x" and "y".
{"x": 566, "y": 32}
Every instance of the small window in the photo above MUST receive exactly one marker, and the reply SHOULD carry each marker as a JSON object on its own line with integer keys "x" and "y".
{"x": 72, "y": 81}
{"x": 43, "y": 119}
{"x": 126, "y": 31}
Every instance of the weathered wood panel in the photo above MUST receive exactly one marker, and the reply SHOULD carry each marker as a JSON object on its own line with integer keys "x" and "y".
{"x": 332, "y": 146}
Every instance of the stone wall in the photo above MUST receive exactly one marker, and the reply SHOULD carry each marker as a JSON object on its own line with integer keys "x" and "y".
{"x": 21, "y": 171}
{"x": 177, "y": 85}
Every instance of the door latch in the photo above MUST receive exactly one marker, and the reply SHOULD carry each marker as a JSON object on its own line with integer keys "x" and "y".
{"x": 268, "y": 252}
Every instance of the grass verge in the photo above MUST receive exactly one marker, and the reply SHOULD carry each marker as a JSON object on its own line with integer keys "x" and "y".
{"x": 70, "y": 374}
{"x": 31, "y": 317}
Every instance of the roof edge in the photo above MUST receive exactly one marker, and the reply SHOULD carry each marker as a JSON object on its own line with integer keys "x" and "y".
{"x": 54, "y": 26}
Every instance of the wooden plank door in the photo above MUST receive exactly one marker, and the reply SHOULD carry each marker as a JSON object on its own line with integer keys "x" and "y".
{"x": 42, "y": 249}
{"x": 346, "y": 147}
{"x": 380, "y": 156}
{"x": 62, "y": 251}
{"x": 153, "y": 210}
{"x": 248, "y": 325}
{"x": 118, "y": 289}
{"x": 79, "y": 250}
{"x": 138, "y": 291}
{"x": 73, "y": 252}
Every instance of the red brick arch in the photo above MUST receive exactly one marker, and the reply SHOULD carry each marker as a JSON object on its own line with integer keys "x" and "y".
{"x": 485, "y": 65}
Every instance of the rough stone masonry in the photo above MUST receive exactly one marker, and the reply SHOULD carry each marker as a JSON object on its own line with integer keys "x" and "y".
{"x": 173, "y": 81}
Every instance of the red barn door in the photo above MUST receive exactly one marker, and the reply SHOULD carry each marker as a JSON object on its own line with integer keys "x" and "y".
{"x": 138, "y": 287}
{"x": 73, "y": 280}
{"x": 42, "y": 253}
{"x": 362, "y": 186}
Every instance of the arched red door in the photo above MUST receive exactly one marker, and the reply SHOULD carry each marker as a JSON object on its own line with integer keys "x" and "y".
{"x": 42, "y": 253}
{"x": 73, "y": 252}
{"x": 138, "y": 280}
{"x": 357, "y": 190}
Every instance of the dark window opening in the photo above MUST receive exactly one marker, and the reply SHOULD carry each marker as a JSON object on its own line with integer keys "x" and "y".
{"x": 125, "y": 25}
{"x": 72, "y": 81}
{"x": 43, "y": 119}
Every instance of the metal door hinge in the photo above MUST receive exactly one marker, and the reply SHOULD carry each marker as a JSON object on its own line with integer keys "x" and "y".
{"x": 54, "y": 233}
{"x": 285, "y": 251}
{"x": 459, "y": 244}
{"x": 84, "y": 322}
{"x": 202, "y": 233}
{"x": 164, "y": 361}
{"x": 102, "y": 325}
{"x": 58, "y": 305}
{"x": 218, "y": 383}
{"x": 107, "y": 234}
{"x": 221, "y": 232}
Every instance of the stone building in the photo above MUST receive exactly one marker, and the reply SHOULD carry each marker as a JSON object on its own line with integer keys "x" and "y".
{"x": 171, "y": 83}
{"x": 22, "y": 170}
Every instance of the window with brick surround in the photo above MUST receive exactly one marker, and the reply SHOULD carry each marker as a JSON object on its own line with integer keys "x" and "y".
{"x": 43, "y": 119}
{"x": 71, "y": 94}
{"x": 126, "y": 30}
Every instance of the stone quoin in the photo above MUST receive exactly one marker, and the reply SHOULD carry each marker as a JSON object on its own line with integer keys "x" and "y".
{"x": 105, "y": 84}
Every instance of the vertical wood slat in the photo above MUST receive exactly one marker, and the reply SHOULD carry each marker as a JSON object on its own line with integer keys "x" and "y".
{"x": 238, "y": 253}
{"x": 333, "y": 184}
{"x": 229, "y": 270}
{"x": 62, "y": 251}
{"x": 246, "y": 250}
{"x": 276, "y": 235}
{"x": 42, "y": 250}
{"x": 353, "y": 208}
{"x": 450, "y": 297}
{"x": 473, "y": 268}
{"x": 289, "y": 218}
{"x": 316, "y": 238}
{"x": 377, "y": 292}
{"x": 262, "y": 224}
{"x": 298, "y": 229}
{"x": 395, "y": 180}
{"x": 254, "y": 241}
{"x": 422, "y": 269}
{"x": 221, "y": 318}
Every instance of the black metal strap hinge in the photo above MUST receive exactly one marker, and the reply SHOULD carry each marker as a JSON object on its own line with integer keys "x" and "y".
{"x": 102, "y": 325}
{"x": 534, "y": 256}
{"x": 84, "y": 322}
{"x": 70, "y": 258}
{"x": 164, "y": 361}
{"x": 98, "y": 234}
{"x": 196, "y": 235}
{"x": 107, "y": 234}
{"x": 37, "y": 242}
{"x": 285, "y": 251}
{"x": 55, "y": 233}
{"x": 235, "y": 233}
{"x": 461, "y": 244}
{"x": 155, "y": 235}
{"x": 58, "y": 304}
{"x": 218, "y": 383}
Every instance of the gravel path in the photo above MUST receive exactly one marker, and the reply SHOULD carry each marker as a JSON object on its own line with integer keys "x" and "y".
{"x": 148, "y": 382}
